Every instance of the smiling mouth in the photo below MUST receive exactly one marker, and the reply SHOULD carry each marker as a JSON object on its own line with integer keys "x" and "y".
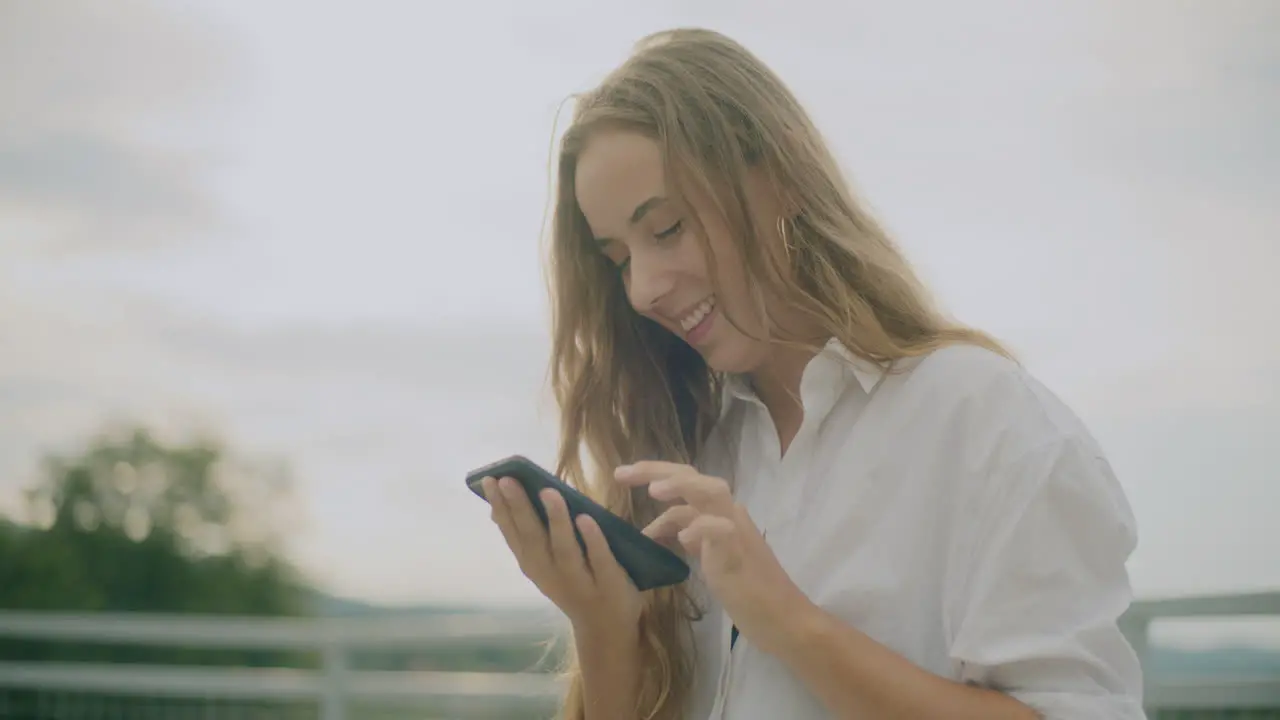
{"x": 698, "y": 314}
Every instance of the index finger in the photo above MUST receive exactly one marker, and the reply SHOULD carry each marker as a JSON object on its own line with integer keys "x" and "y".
{"x": 705, "y": 494}
{"x": 646, "y": 471}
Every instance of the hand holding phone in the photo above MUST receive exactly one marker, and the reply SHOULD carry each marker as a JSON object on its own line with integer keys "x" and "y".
{"x": 591, "y": 588}
{"x": 647, "y": 563}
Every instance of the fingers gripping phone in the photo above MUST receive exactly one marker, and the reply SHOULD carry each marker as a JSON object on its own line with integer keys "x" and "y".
{"x": 647, "y": 562}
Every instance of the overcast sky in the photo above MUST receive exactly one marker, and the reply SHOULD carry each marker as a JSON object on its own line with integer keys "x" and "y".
{"x": 315, "y": 226}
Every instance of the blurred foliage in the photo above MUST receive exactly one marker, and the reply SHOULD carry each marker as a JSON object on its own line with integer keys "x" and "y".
{"x": 133, "y": 524}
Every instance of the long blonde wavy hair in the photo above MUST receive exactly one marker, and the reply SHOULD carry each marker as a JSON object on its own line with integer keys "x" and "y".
{"x": 629, "y": 390}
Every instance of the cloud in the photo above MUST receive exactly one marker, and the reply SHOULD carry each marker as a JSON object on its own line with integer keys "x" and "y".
{"x": 1189, "y": 94}
{"x": 101, "y": 119}
{"x": 96, "y": 193}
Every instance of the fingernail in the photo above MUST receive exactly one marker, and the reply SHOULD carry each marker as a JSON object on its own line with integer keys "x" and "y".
{"x": 623, "y": 472}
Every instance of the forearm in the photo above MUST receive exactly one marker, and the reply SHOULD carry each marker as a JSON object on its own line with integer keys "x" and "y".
{"x": 610, "y": 662}
{"x": 857, "y": 677}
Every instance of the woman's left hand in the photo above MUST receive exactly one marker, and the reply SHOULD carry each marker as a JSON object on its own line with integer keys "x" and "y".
{"x": 738, "y": 565}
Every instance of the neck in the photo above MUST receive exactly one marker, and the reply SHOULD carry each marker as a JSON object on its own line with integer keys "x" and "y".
{"x": 777, "y": 382}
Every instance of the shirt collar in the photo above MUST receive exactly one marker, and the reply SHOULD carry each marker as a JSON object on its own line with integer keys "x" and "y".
{"x": 833, "y": 356}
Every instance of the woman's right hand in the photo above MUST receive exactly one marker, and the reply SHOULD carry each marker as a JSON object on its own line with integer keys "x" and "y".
{"x": 594, "y": 592}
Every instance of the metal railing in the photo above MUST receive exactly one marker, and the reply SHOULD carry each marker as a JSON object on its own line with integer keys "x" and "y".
{"x": 1240, "y": 695}
{"x": 338, "y": 691}
{"x": 333, "y": 692}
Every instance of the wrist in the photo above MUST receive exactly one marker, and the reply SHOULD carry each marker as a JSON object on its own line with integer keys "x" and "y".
{"x": 803, "y": 629}
{"x": 608, "y": 647}
{"x": 610, "y": 632}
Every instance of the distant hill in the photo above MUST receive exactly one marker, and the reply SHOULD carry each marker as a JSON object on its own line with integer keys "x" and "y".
{"x": 325, "y": 605}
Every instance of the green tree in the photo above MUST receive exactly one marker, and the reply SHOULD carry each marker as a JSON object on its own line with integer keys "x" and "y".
{"x": 135, "y": 524}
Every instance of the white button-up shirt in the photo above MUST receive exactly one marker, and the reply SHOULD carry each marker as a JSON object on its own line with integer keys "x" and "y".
{"x": 952, "y": 509}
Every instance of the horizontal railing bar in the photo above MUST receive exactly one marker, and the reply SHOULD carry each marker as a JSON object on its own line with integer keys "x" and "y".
{"x": 272, "y": 683}
{"x": 1254, "y": 603}
{"x": 1215, "y": 693}
{"x": 238, "y": 683}
{"x": 408, "y": 687}
{"x": 393, "y": 685}
{"x": 227, "y": 632}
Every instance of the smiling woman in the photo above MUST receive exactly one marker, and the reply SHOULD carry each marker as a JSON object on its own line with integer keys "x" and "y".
{"x": 744, "y": 354}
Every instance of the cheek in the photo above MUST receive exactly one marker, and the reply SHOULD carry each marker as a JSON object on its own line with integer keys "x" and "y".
{"x": 740, "y": 304}
{"x": 731, "y": 277}
{"x": 693, "y": 260}
{"x": 723, "y": 256}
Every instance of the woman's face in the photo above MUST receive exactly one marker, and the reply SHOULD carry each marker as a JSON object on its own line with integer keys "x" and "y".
{"x": 651, "y": 236}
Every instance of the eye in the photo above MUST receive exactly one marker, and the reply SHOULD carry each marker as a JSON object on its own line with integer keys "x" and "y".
{"x": 671, "y": 231}
{"x": 623, "y": 264}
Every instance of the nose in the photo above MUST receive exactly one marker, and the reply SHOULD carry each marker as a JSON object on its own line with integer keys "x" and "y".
{"x": 648, "y": 281}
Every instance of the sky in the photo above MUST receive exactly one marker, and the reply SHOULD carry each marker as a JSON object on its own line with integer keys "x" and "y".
{"x": 317, "y": 233}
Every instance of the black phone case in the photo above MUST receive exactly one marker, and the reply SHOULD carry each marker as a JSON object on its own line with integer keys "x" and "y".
{"x": 647, "y": 562}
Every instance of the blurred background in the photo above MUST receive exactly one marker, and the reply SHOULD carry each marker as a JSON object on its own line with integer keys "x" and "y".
{"x": 271, "y": 283}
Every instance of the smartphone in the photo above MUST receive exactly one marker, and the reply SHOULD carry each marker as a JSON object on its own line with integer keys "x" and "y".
{"x": 648, "y": 563}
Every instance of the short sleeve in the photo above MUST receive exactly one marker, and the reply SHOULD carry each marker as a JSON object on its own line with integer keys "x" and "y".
{"x": 1033, "y": 601}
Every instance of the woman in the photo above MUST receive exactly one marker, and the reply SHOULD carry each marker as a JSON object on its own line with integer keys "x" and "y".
{"x": 886, "y": 515}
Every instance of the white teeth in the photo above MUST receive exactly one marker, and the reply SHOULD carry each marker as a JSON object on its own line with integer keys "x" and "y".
{"x": 700, "y": 312}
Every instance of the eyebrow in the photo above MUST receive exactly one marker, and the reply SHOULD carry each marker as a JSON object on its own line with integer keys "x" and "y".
{"x": 637, "y": 215}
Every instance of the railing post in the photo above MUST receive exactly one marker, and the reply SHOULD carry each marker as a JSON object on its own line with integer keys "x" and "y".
{"x": 333, "y": 694}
